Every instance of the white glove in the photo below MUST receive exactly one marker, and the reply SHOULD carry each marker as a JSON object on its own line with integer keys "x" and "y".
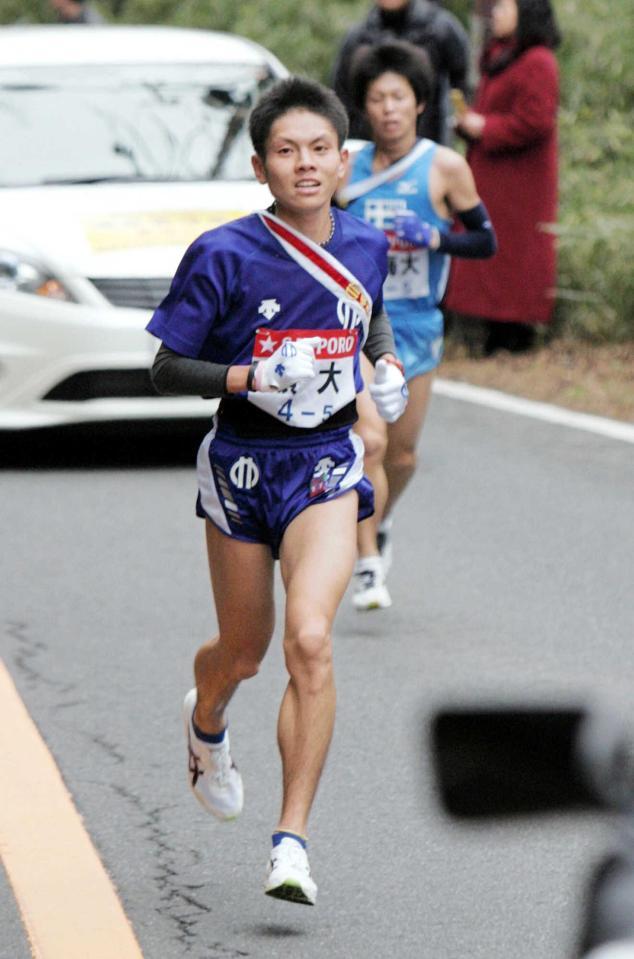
{"x": 292, "y": 363}
{"x": 389, "y": 390}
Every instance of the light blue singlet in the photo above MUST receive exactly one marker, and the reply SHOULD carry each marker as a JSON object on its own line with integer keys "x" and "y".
{"x": 417, "y": 278}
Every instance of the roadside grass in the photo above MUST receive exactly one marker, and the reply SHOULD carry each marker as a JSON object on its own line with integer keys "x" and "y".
{"x": 589, "y": 378}
{"x": 595, "y": 290}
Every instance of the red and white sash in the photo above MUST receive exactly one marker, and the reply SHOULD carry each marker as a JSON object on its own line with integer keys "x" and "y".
{"x": 354, "y": 190}
{"x": 323, "y": 267}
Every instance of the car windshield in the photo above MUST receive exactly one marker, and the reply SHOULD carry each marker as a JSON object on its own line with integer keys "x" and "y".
{"x": 87, "y": 124}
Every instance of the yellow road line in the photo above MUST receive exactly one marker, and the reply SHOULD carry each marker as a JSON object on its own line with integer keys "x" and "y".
{"x": 67, "y": 901}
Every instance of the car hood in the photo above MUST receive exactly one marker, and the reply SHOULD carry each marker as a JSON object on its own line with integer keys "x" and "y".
{"x": 119, "y": 230}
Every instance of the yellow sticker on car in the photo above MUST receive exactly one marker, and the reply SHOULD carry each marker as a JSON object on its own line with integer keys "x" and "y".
{"x": 133, "y": 231}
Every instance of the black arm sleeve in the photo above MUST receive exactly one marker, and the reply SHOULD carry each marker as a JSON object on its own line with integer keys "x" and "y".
{"x": 380, "y": 338}
{"x": 176, "y": 375}
{"x": 478, "y": 242}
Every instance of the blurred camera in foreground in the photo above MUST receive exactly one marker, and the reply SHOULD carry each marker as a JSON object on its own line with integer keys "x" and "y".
{"x": 504, "y": 761}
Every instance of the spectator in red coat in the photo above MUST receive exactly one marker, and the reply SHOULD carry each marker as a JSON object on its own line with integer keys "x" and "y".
{"x": 512, "y": 135}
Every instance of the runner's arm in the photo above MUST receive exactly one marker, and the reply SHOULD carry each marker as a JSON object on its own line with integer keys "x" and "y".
{"x": 176, "y": 375}
{"x": 478, "y": 241}
{"x": 460, "y": 196}
{"x": 380, "y": 340}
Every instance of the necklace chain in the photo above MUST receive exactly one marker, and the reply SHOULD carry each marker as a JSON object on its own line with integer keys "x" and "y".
{"x": 332, "y": 225}
{"x": 332, "y": 229}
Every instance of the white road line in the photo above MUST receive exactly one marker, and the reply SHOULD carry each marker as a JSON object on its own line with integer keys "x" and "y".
{"x": 547, "y": 412}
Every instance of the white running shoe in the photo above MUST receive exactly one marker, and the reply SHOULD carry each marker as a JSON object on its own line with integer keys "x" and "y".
{"x": 289, "y": 874}
{"x": 370, "y": 591}
{"x": 384, "y": 542}
{"x": 213, "y": 778}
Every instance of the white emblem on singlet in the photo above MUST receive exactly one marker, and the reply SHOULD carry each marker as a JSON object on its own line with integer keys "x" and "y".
{"x": 380, "y": 211}
{"x": 244, "y": 473}
{"x": 349, "y": 314}
{"x": 269, "y": 308}
{"x": 407, "y": 187}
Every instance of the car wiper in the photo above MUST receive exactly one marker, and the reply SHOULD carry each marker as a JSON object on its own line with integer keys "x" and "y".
{"x": 234, "y": 128}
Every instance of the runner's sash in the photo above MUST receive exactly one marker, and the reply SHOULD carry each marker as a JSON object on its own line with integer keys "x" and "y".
{"x": 323, "y": 267}
{"x": 354, "y": 190}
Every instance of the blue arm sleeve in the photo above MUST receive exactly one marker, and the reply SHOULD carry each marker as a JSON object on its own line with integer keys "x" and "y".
{"x": 478, "y": 242}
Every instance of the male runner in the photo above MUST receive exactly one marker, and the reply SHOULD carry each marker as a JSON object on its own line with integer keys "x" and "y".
{"x": 271, "y": 312}
{"x": 410, "y": 188}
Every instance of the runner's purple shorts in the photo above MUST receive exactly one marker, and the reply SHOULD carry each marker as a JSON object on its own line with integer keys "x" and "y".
{"x": 252, "y": 489}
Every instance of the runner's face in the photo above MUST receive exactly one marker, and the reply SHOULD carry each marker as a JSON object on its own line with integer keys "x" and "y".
{"x": 303, "y": 165}
{"x": 391, "y": 108}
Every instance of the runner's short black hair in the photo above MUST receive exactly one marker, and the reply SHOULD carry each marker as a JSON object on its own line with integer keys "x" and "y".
{"x": 397, "y": 56}
{"x": 295, "y": 93}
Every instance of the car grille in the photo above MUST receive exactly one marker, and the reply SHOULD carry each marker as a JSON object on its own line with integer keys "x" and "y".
{"x": 141, "y": 293}
{"x": 103, "y": 384}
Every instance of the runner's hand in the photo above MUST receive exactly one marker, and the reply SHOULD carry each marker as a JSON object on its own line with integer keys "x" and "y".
{"x": 389, "y": 390}
{"x": 292, "y": 363}
{"x": 410, "y": 228}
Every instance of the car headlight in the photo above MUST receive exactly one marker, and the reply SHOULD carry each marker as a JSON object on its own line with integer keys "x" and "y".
{"x": 19, "y": 274}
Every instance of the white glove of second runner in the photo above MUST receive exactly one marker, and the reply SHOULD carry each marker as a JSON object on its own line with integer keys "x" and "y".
{"x": 292, "y": 363}
{"x": 389, "y": 390}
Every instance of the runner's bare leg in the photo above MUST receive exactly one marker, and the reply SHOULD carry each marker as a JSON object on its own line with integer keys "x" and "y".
{"x": 317, "y": 557}
{"x": 403, "y": 435}
{"x": 373, "y": 431}
{"x": 246, "y": 618}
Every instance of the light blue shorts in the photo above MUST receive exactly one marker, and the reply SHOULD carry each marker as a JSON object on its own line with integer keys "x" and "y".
{"x": 419, "y": 341}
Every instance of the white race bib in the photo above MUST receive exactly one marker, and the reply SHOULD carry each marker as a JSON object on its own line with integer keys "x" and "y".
{"x": 408, "y": 274}
{"x": 332, "y": 388}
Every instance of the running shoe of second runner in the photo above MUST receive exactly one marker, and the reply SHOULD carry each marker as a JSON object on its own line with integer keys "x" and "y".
{"x": 384, "y": 542}
{"x": 289, "y": 873}
{"x": 370, "y": 591}
{"x": 213, "y": 777}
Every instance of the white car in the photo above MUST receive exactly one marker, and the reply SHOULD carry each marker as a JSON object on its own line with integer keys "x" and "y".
{"x": 120, "y": 145}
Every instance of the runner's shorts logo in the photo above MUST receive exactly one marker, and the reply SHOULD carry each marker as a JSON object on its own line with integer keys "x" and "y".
{"x": 244, "y": 473}
{"x": 321, "y": 480}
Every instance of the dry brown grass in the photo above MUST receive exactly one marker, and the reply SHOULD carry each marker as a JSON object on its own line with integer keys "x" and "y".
{"x": 590, "y": 379}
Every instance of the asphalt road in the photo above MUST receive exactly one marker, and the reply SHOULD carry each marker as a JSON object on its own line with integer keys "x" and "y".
{"x": 512, "y": 582}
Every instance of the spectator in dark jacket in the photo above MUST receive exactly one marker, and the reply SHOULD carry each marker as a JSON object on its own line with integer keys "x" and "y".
{"x": 425, "y": 24}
